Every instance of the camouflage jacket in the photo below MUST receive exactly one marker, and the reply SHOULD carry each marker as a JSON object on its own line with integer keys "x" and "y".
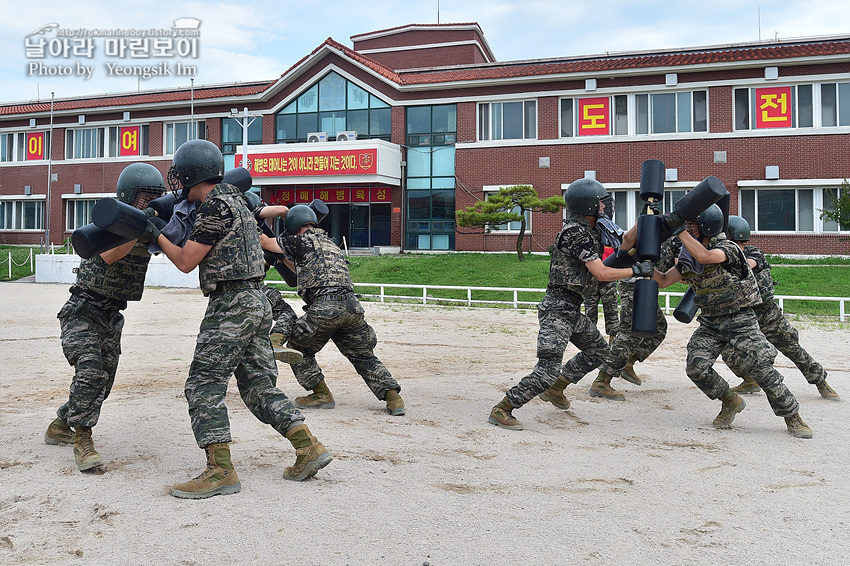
{"x": 576, "y": 244}
{"x": 319, "y": 263}
{"x": 723, "y": 288}
{"x": 761, "y": 271}
{"x": 121, "y": 281}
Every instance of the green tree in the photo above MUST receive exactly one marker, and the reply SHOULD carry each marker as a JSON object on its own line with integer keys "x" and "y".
{"x": 839, "y": 212}
{"x": 508, "y": 205}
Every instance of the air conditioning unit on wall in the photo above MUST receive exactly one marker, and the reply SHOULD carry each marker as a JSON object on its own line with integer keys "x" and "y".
{"x": 315, "y": 137}
{"x": 346, "y": 136}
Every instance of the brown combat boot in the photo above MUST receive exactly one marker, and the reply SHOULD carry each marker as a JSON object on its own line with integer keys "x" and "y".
{"x": 732, "y": 405}
{"x": 218, "y": 479}
{"x": 747, "y": 386}
{"x": 601, "y": 387}
{"x": 320, "y": 398}
{"x": 281, "y": 352}
{"x": 395, "y": 404}
{"x": 501, "y": 416}
{"x": 796, "y": 427}
{"x": 826, "y": 391}
{"x": 58, "y": 432}
{"x": 84, "y": 452}
{"x": 628, "y": 372}
{"x": 310, "y": 454}
{"x": 555, "y": 394}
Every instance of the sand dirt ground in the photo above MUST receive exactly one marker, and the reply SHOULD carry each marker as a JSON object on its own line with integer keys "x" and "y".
{"x": 645, "y": 481}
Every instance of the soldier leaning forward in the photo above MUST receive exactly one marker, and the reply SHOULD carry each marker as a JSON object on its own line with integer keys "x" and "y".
{"x": 772, "y": 322}
{"x": 576, "y": 259}
{"x": 234, "y": 336}
{"x": 333, "y": 313}
{"x": 726, "y": 291}
{"x": 91, "y": 321}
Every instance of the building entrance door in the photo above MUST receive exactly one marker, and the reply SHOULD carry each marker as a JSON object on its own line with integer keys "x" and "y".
{"x": 359, "y": 226}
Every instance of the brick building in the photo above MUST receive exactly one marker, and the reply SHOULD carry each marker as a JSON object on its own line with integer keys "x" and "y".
{"x": 415, "y": 122}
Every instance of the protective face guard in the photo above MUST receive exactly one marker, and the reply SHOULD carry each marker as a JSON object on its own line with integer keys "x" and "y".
{"x": 143, "y": 195}
{"x": 173, "y": 180}
{"x": 608, "y": 201}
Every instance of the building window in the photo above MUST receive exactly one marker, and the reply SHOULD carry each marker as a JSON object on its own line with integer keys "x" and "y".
{"x": 231, "y": 133}
{"x": 830, "y": 196}
{"x": 178, "y": 133}
{"x": 84, "y": 143}
{"x": 835, "y": 104}
{"x": 23, "y": 214}
{"x": 508, "y": 227}
{"x": 507, "y": 120}
{"x": 7, "y": 147}
{"x": 334, "y": 105}
{"x": 128, "y": 141}
{"x": 784, "y": 210}
{"x": 78, "y": 212}
{"x": 798, "y": 106}
{"x": 671, "y": 112}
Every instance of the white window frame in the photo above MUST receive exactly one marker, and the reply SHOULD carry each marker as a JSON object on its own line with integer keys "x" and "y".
{"x": 485, "y": 111}
{"x": 502, "y": 228}
{"x": 169, "y": 139}
{"x": 15, "y": 215}
{"x": 71, "y": 202}
{"x": 817, "y": 186}
{"x": 100, "y": 133}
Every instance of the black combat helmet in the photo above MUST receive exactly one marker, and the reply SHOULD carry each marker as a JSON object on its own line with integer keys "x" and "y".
{"x": 711, "y": 221}
{"x": 739, "y": 229}
{"x": 194, "y": 162}
{"x": 298, "y": 216}
{"x": 137, "y": 178}
{"x": 583, "y": 196}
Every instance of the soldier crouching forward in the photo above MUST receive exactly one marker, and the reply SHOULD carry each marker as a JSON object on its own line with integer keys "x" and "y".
{"x": 234, "y": 335}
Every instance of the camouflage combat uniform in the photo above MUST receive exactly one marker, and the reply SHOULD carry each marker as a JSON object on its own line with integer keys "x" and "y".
{"x": 775, "y": 326}
{"x": 91, "y": 324}
{"x": 283, "y": 316}
{"x": 627, "y": 345}
{"x": 234, "y": 334}
{"x": 333, "y": 313}
{"x": 606, "y": 293}
{"x": 725, "y": 295}
{"x": 559, "y": 316}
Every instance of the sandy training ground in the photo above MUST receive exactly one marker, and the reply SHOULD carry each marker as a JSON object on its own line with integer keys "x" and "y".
{"x": 645, "y": 481}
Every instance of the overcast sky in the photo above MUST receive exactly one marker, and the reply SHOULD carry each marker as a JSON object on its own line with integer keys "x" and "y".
{"x": 260, "y": 39}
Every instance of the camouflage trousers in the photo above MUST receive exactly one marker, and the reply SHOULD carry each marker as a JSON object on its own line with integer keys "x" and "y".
{"x": 91, "y": 342}
{"x": 779, "y": 332}
{"x": 283, "y": 317}
{"x": 606, "y": 293}
{"x": 234, "y": 340}
{"x": 560, "y": 323}
{"x": 748, "y": 351}
{"x": 343, "y": 322}
{"x": 628, "y": 345}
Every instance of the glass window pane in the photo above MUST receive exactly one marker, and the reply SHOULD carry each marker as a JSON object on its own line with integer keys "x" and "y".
{"x": 444, "y": 118}
{"x": 231, "y": 131}
{"x": 806, "y": 210}
{"x": 380, "y": 122}
{"x": 777, "y": 210}
{"x": 289, "y": 108}
{"x": 642, "y": 110}
{"x": 512, "y": 121}
{"x": 683, "y": 112}
{"x": 443, "y": 182}
{"x": 331, "y": 122}
{"x": 828, "y": 109}
{"x": 621, "y": 115}
{"x": 530, "y": 130}
{"x": 418, "y": 204}
{"x": 829, "y": 198}
{"x": 181, "y": 134}
{"x": 358, "y": 120}
{"x": 285, "y": 128}
{"x": 496, "y": 120}
{"x": 805, "y": 118}
{"x": 332, "y": 92}
{"x": 419, "y": 183}
{"x": 419, "y": 162}
{"x": 375, "y": 102}
{"x": 566, "y": 117}
{"x": 255, "y": 131}
{"x": 443, "y": 204}
{"x": 309, "y": 101}
{"x": 483, "y": 122}
{"x": 700, "y": 111}
{"x": 844, "y": 104}
{"x": 663, "y": 113}
{"x": 443, "y": 162}
{"x": 419, "y": 120}
{"x": 742, "y": 109}
{"x": 307, "y": 123}
{"x": 748, "y": 207}
{"x": 169, "y": 138}
{"x": 357, "y": 97}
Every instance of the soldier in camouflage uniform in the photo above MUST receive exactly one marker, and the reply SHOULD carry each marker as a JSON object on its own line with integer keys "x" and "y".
{"x": 605, "y": 293}
{"x": 628, "y": 348}
{"x": 234, "y": 336}
{"x": 576, "y": 259}
{"x": 726, "y": 291}
{"x": 772, "y": 322}
{"x": 333, "y": 313}
{"x": 91, "y": 322}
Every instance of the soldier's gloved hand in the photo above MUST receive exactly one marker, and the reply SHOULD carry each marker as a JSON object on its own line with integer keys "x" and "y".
{"x": 643, "y": 269}
{"x": 277, "y": 339}
{"x": 654, "y": 206}
{"x": 152, "y": 232}
{"x": 674, "y": 222}
{"x": 149, "y": 211}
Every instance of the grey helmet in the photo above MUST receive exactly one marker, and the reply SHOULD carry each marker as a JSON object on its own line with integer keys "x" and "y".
{"x": 583, "y": 196}
{"x": 298, "y": 216}
{"x": 739, "y": 229}
{"x": 194, "y": 162}
{"x": 711, "y": 221}
{"x": 138, "y": 178}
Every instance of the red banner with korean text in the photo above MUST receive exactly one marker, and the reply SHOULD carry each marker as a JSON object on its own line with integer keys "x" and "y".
{"x": 594, "y": 116}
{"x": 35, "y": 146}
{"x": 128, "y": 138}
{"x": 773, "y": 107}
{"x": 312, "y": 163}
{"x": 330, "y": 195}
